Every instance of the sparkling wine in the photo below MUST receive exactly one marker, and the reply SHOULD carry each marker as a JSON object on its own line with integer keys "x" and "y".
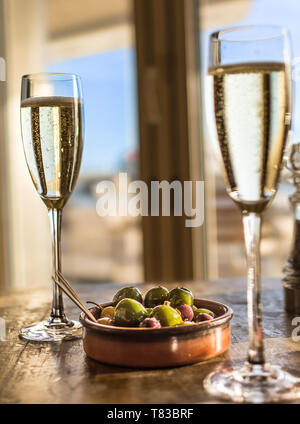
{"x": 252, "y": 121}
{"x": 52, "y": 140}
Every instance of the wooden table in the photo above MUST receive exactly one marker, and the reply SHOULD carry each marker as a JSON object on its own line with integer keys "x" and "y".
{"x": 61, "y": 373}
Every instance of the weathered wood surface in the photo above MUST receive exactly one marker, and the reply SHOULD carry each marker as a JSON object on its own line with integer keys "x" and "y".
{"x": 61, "y": 373}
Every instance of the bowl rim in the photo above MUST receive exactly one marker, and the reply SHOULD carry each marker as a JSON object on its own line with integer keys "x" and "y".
{"x": 204, "y": 325}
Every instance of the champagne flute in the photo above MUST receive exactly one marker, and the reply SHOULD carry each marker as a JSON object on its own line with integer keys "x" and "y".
{"x": 52, "y": 133}
{"x": 249, "y": 109}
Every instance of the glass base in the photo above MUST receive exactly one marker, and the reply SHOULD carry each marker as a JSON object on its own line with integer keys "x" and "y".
{"x": 253, "y": 384}
{"x": 50, "y": 331}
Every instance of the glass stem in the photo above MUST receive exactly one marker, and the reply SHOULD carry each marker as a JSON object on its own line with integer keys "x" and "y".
{"x": 252, "y": 230}
{"x": 57, "y": 310}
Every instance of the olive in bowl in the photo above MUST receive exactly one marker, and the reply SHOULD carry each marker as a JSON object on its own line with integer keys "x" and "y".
{"x": 156, "y": 296}
{"x": 129, "y": 313}
{"x": 159, "y": 308}
{"x": 180, "y": 296}
{"x": 128, "y": 293}
{"x": 166, "y": 315}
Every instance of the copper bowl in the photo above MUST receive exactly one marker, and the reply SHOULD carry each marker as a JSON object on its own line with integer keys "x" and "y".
{"x": 158, "y": 348}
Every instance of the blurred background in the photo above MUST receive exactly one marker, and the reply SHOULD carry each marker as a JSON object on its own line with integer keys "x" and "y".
{"x": 141, "y": 64}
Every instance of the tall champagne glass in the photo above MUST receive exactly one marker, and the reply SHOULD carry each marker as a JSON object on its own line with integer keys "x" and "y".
{"x": 52, "y": 133}
{"x": 249, "y": 112}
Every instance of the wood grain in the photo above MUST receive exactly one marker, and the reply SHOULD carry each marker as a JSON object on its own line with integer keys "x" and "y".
{"x": 61, "y": 373}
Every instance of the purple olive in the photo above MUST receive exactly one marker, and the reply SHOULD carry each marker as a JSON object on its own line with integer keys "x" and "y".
{"x": 203, "y": 317}
{"x": 150, "y": 323}
{"x": 187, "y": 313}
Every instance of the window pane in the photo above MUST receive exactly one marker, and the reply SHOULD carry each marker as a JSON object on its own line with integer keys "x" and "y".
{"x": 94, "y": 247}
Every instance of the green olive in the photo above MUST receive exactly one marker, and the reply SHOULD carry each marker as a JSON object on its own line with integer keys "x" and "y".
{"x": 203, "y": 311}
{"x": 108, "y": 311}
{"x": 105, "y": 320}
{"x": 128, "y": 293}
{"x": 181, "y": 296}
{"x": 156, "y": 296}
{"x": 167, "y": 315}
{"x": 129, "y": 313}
